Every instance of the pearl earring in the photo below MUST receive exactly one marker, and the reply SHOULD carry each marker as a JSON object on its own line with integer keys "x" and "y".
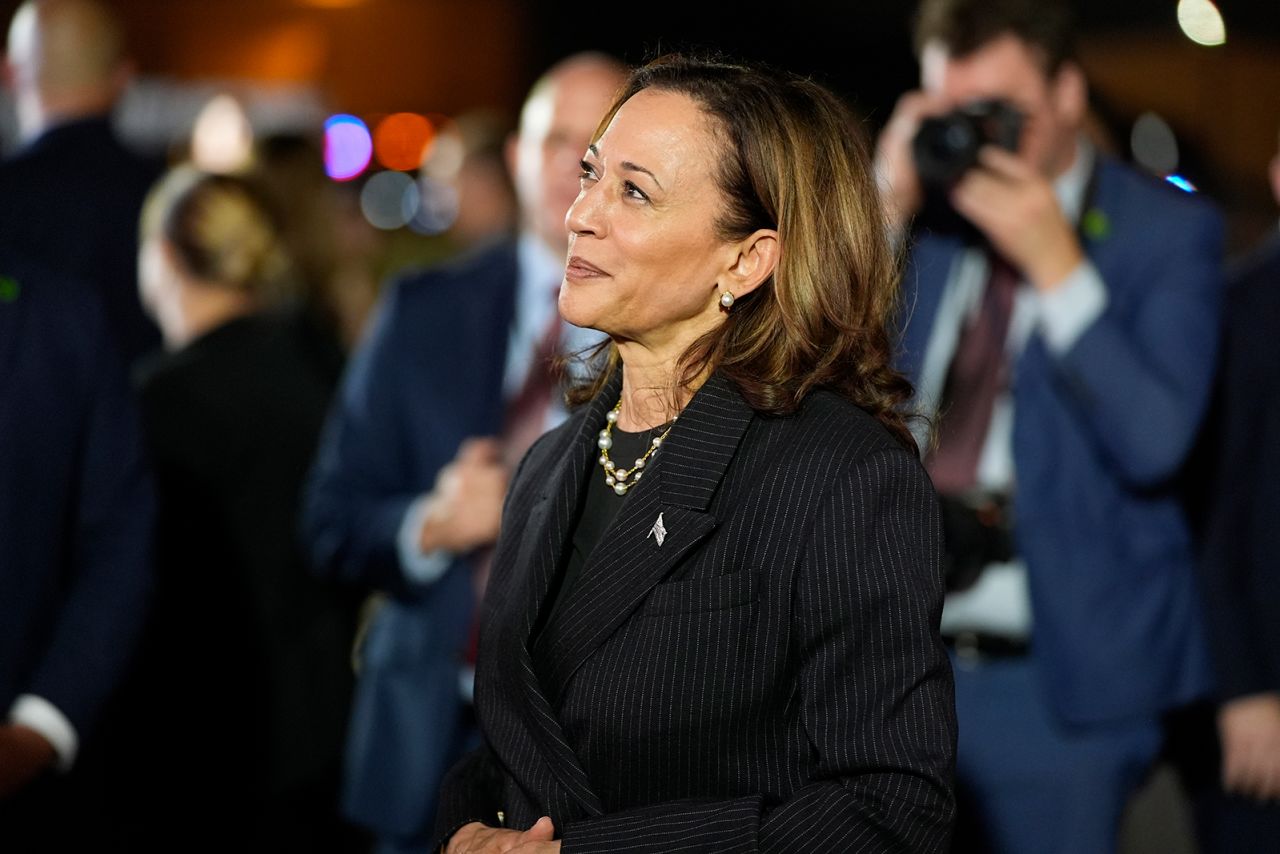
{"x": 726, "y": 300}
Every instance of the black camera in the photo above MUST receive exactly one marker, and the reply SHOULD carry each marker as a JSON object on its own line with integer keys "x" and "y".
{"x": 947, "y": 146}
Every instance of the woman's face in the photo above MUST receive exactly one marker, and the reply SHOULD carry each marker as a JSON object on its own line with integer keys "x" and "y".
{"x": 644, "y": 258}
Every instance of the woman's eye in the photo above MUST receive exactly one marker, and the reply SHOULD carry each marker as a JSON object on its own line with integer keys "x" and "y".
{"x": 587, "y": 173}
{"x": 632, "y": 191}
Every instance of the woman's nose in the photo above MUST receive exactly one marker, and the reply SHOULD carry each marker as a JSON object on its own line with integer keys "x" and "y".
{"x": 584, "y": 216}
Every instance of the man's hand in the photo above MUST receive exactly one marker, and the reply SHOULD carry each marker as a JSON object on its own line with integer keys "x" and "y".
{"x": 1250, "y": 731}
{"x": 465, "y": 508}
{"x": 1014, "y": 206}
{"x": 895, "y": 167}
{"x": 476, "y": 838}
{"x": 24, "y": 754}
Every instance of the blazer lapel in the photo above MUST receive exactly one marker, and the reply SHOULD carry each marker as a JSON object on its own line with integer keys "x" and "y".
{"x": 541, "y": 551}
{"x": 632, "y": 557}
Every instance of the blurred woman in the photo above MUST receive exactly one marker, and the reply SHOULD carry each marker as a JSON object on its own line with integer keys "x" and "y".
{"x": 246, "y": 669}
{"x": 712, "y": 623}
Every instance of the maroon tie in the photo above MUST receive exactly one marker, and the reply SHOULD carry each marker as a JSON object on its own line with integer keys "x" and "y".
{"x": 979, "y": 373}
{"x": 526, "y": 414}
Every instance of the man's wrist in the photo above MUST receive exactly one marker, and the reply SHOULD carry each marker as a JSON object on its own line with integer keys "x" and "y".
{"x": 1067, "y": 312}
{"x": 432, "y": 534}
{"x": 1051, "y": 271}
{"x": 418, "y": 565}
{"x": 46, "y": 720}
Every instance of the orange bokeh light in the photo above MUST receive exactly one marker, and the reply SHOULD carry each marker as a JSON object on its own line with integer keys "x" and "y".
{"x": 401, "y": 140}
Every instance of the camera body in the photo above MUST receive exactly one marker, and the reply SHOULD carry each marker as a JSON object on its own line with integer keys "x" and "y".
{"x": 947, "y": 146}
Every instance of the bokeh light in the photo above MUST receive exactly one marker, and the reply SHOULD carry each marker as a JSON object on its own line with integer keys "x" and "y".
{"x": 437, "y": 208}
{"x": 222, "y": 138}
{"x": 389, "y": 200}
{"x": 348, "y": 147}
{"x": 402, "y": 140}
{"x": 1153, "y": 144}
{"x": 447, "y": 151}
{"x": 1202, "y": 22}
{"x": 1181, "y": 183}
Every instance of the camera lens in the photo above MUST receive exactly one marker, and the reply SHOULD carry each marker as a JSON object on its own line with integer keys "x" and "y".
{"x": 945, "y": 148}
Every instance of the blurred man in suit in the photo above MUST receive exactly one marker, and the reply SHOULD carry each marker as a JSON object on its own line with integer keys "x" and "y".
{"x": 1063, "y": 332}
{"x": 1242, "y": 559}
{"x": 73, "y": 192}
{"x": 76, "y": 512}
{"x": 451, "y": 386}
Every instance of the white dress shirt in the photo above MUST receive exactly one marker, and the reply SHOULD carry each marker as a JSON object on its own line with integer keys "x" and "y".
{"x": 999, "y": 603}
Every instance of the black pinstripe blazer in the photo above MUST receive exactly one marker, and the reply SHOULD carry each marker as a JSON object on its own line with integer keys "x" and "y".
{"x": 767, "y": 676}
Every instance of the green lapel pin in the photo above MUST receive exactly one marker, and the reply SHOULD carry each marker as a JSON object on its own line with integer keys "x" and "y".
{"x": 1095, "y": 225}
{"x": 9, "y": 289}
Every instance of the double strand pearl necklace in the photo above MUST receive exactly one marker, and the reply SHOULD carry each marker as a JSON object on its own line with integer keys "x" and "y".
{"x": 614, "y": 476}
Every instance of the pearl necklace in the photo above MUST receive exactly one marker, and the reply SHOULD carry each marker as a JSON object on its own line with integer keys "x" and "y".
{"x": 614, "y": 476}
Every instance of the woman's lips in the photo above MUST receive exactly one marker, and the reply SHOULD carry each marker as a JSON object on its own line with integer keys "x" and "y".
{"x": 579, "y": 268}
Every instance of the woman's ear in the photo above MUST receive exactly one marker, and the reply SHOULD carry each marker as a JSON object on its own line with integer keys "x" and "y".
{"x": 755, "y": 261}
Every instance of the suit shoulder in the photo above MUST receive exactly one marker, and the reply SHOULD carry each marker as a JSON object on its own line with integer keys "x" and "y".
{"x": 1145, "y": 196}
{"x": 1253, "y": 307}
{"x": 838, "y": 427}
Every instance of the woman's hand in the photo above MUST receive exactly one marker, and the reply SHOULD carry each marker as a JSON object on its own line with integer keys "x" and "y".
{"x": 476, "y": 838}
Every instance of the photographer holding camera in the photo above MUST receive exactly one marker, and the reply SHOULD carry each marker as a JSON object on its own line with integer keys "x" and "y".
{"x": 1062, "y": 321}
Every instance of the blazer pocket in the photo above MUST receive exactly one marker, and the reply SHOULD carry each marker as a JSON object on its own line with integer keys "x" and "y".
{"x": 702, "y": 594}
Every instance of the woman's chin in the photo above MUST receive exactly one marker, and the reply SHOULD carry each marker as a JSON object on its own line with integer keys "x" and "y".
{"x": 580, "y": 312}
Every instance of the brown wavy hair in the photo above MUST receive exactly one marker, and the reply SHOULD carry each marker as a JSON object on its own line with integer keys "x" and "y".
{"x": 795, "y": 161}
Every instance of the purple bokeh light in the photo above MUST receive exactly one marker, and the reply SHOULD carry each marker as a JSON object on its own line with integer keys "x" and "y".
{"x": 348, "y": 147}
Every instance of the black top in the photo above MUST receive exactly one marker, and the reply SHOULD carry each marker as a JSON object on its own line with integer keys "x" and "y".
{"x": 599, "y": 507}
{"x": 246, "y": 646}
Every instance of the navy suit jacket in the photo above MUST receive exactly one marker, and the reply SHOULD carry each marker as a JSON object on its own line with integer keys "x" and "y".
{"x": 76, "y": 505}
{"x": 428, "y": 377}
{"x": 1242, "y": 549}
{"x": 71, "y": 200}
{"x": 1100, "y": 437}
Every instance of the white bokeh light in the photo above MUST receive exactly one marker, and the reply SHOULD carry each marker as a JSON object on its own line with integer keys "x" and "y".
{"x": 222, "y": 139}
{"x": 1202, "y": 22}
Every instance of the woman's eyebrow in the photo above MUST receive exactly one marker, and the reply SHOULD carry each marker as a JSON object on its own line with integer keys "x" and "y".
{"x": 628, "y": 166}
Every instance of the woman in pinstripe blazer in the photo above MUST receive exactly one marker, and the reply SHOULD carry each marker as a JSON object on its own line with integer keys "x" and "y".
{"x": 726, "y": 637}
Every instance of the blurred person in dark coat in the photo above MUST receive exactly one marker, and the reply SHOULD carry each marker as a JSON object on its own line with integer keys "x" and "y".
{"x": 1063, "y": 329}
{"x": 76, "y": 514}
{"x": 1241, "y": 560}
{"x": 248, "y": 665}
{"x": 450, "y": 386}
{"x": 72, "y": 192}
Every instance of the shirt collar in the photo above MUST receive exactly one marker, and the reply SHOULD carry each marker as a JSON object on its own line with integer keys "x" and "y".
{"x": 541, "y": 271}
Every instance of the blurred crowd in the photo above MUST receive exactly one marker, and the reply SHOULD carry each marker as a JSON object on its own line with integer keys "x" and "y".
{"x": 253, "y": 455}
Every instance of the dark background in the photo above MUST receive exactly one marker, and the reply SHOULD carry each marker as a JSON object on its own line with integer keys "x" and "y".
{"x": 378, "y": 56}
